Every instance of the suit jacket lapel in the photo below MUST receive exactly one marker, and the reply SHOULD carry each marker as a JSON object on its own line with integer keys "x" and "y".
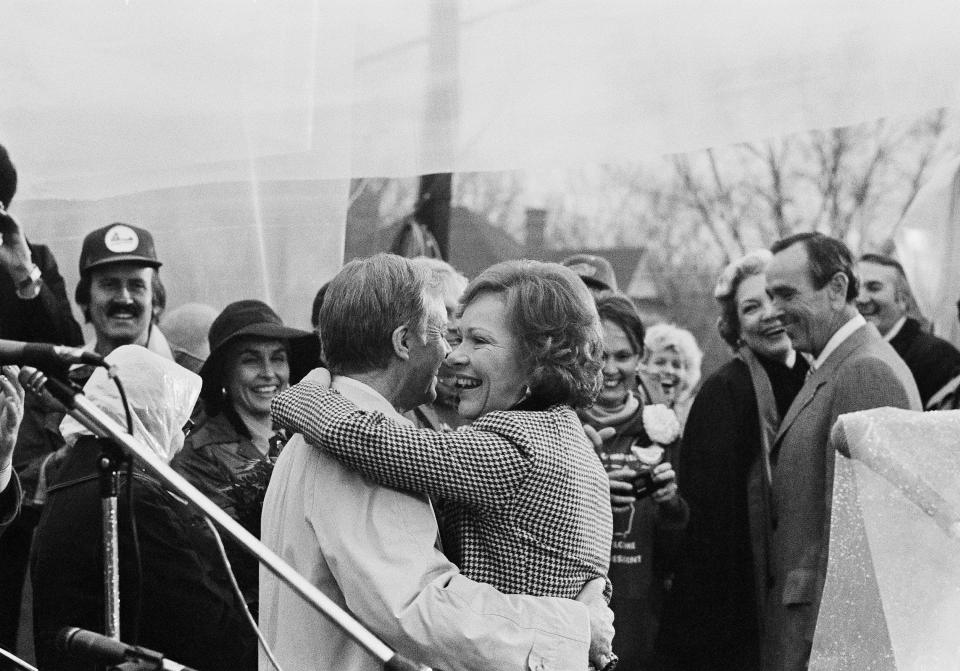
{"x": 820, "y": 377}
{"x": 803, "y": 399}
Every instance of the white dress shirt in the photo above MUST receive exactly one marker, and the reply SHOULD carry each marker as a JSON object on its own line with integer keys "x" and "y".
{"x": 156, "y": 343}
{"x": 371, "y": 549}
{"x": 837, "y": 339}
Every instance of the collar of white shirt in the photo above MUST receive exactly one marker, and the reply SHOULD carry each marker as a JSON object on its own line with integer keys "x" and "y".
{"x": 895, "y": 329}
{"x": 366, "y": 397}
{"x": 156, "y": 343}
{"x": 837, "y": 339}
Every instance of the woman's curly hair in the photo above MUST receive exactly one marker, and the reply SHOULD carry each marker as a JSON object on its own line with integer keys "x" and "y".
{"x": 728, "y": 323}
{"x": 553, "y": 316}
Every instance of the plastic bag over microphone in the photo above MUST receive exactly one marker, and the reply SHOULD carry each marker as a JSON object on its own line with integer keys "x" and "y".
{"x": 161, "y": 395}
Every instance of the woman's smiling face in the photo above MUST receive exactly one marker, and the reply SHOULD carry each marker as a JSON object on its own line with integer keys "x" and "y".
{"x": 620, "y": 361}
{"x": 760, "y": 329}
{"x": 256, "y": 370}
{"x": 487, "y": 362}
{"x": 667, "y": 367}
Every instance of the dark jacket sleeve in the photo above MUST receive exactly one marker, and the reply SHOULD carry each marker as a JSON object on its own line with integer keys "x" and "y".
{"x": 206, "y": 472}
{"x": 715, "y": 577}
{"x": 46, "y": 318}
{"x": 719, "y": 443}
{"x": 671, "y": 521}
{"x": 933, "y": 365}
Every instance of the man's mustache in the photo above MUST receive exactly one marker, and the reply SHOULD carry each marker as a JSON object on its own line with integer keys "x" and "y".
{"x": 130, "y": 308}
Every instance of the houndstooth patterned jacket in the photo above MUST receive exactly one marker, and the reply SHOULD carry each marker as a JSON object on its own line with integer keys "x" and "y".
{"x": 524, "y": 498}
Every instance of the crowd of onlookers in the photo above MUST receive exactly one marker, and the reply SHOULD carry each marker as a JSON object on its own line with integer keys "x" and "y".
{"x": 439, "y": 475}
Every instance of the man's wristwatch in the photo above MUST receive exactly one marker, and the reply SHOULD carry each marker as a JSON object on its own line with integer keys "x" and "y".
{"x": 27, "y": 288}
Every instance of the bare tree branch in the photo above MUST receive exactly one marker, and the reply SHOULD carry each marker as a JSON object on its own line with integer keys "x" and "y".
{"x": 778, "y": 198}
{"x": 725, "y": 200}
{"x": 694, "y": 192}
{"x": 935, "y": 127}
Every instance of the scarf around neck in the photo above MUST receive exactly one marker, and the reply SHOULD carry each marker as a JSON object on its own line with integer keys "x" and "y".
{"x": 600, "y": 417}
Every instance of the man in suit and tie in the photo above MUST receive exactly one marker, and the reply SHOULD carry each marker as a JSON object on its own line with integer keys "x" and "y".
{"x": 812, "y": 284}
{"x": 884, "y": 301}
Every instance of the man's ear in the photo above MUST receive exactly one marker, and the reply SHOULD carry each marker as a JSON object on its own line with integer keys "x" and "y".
{"x": 902, "y": 296}
{"x": 399, "y": 340}
{"x": 838, "y": 287}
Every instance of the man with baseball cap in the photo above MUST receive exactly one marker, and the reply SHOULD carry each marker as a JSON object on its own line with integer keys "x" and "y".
{"x": 120, "y": 294}
{"x": 120, "y": 291}
{"x": 595, "y": 271}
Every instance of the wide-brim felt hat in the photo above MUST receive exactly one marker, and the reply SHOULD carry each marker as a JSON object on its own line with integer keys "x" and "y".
{"x": 255, "y": 319}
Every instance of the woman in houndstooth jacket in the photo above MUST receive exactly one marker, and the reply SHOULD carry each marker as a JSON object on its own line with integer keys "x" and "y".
{"x": 523, "y": 500}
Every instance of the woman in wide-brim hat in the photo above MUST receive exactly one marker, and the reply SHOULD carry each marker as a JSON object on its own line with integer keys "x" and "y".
{"x": 229, "y": 454}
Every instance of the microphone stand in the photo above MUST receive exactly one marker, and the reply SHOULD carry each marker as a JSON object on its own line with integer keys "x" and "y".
{"x": 104, "y": 426}
{"x": 111, "y": 460}
{"x": 16, "y": 661}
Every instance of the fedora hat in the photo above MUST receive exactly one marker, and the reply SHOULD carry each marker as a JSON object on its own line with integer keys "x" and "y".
{"x": 255, "y": 319}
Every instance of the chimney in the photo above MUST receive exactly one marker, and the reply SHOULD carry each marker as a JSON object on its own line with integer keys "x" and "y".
{"x": 536, "y": 225}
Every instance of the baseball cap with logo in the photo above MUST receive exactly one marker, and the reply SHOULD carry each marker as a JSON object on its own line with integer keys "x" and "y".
{"x": 118, "y": 243}
{"x": 595, "y": 271}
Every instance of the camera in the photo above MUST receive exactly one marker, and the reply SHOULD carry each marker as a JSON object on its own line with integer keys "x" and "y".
{"x": 644, "y": 484}
{"x": 643, "y": 460}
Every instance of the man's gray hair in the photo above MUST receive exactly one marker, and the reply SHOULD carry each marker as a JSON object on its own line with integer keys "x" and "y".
{"x": 367, "y": 300}
{"x": 446, "y": 282}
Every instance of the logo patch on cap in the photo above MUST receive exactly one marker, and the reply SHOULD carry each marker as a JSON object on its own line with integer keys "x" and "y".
{"x": 584, "y": 269}
{"x": 121, "y": 239}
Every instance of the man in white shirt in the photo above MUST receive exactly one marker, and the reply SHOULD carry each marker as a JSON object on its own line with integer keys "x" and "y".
{"x": 813, "y": 288}
{"x": 372, "y": 549}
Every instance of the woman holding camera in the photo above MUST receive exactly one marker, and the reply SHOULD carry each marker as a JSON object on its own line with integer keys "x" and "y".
{"x": 649, "y": 516}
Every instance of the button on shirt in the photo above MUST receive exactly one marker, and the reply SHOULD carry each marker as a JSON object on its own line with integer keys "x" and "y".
{"x": 371, "y": 550}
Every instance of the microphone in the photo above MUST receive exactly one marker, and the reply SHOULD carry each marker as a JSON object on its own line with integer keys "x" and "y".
{"x": 92, "y": 647}
{"x": 42, "y": 354}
